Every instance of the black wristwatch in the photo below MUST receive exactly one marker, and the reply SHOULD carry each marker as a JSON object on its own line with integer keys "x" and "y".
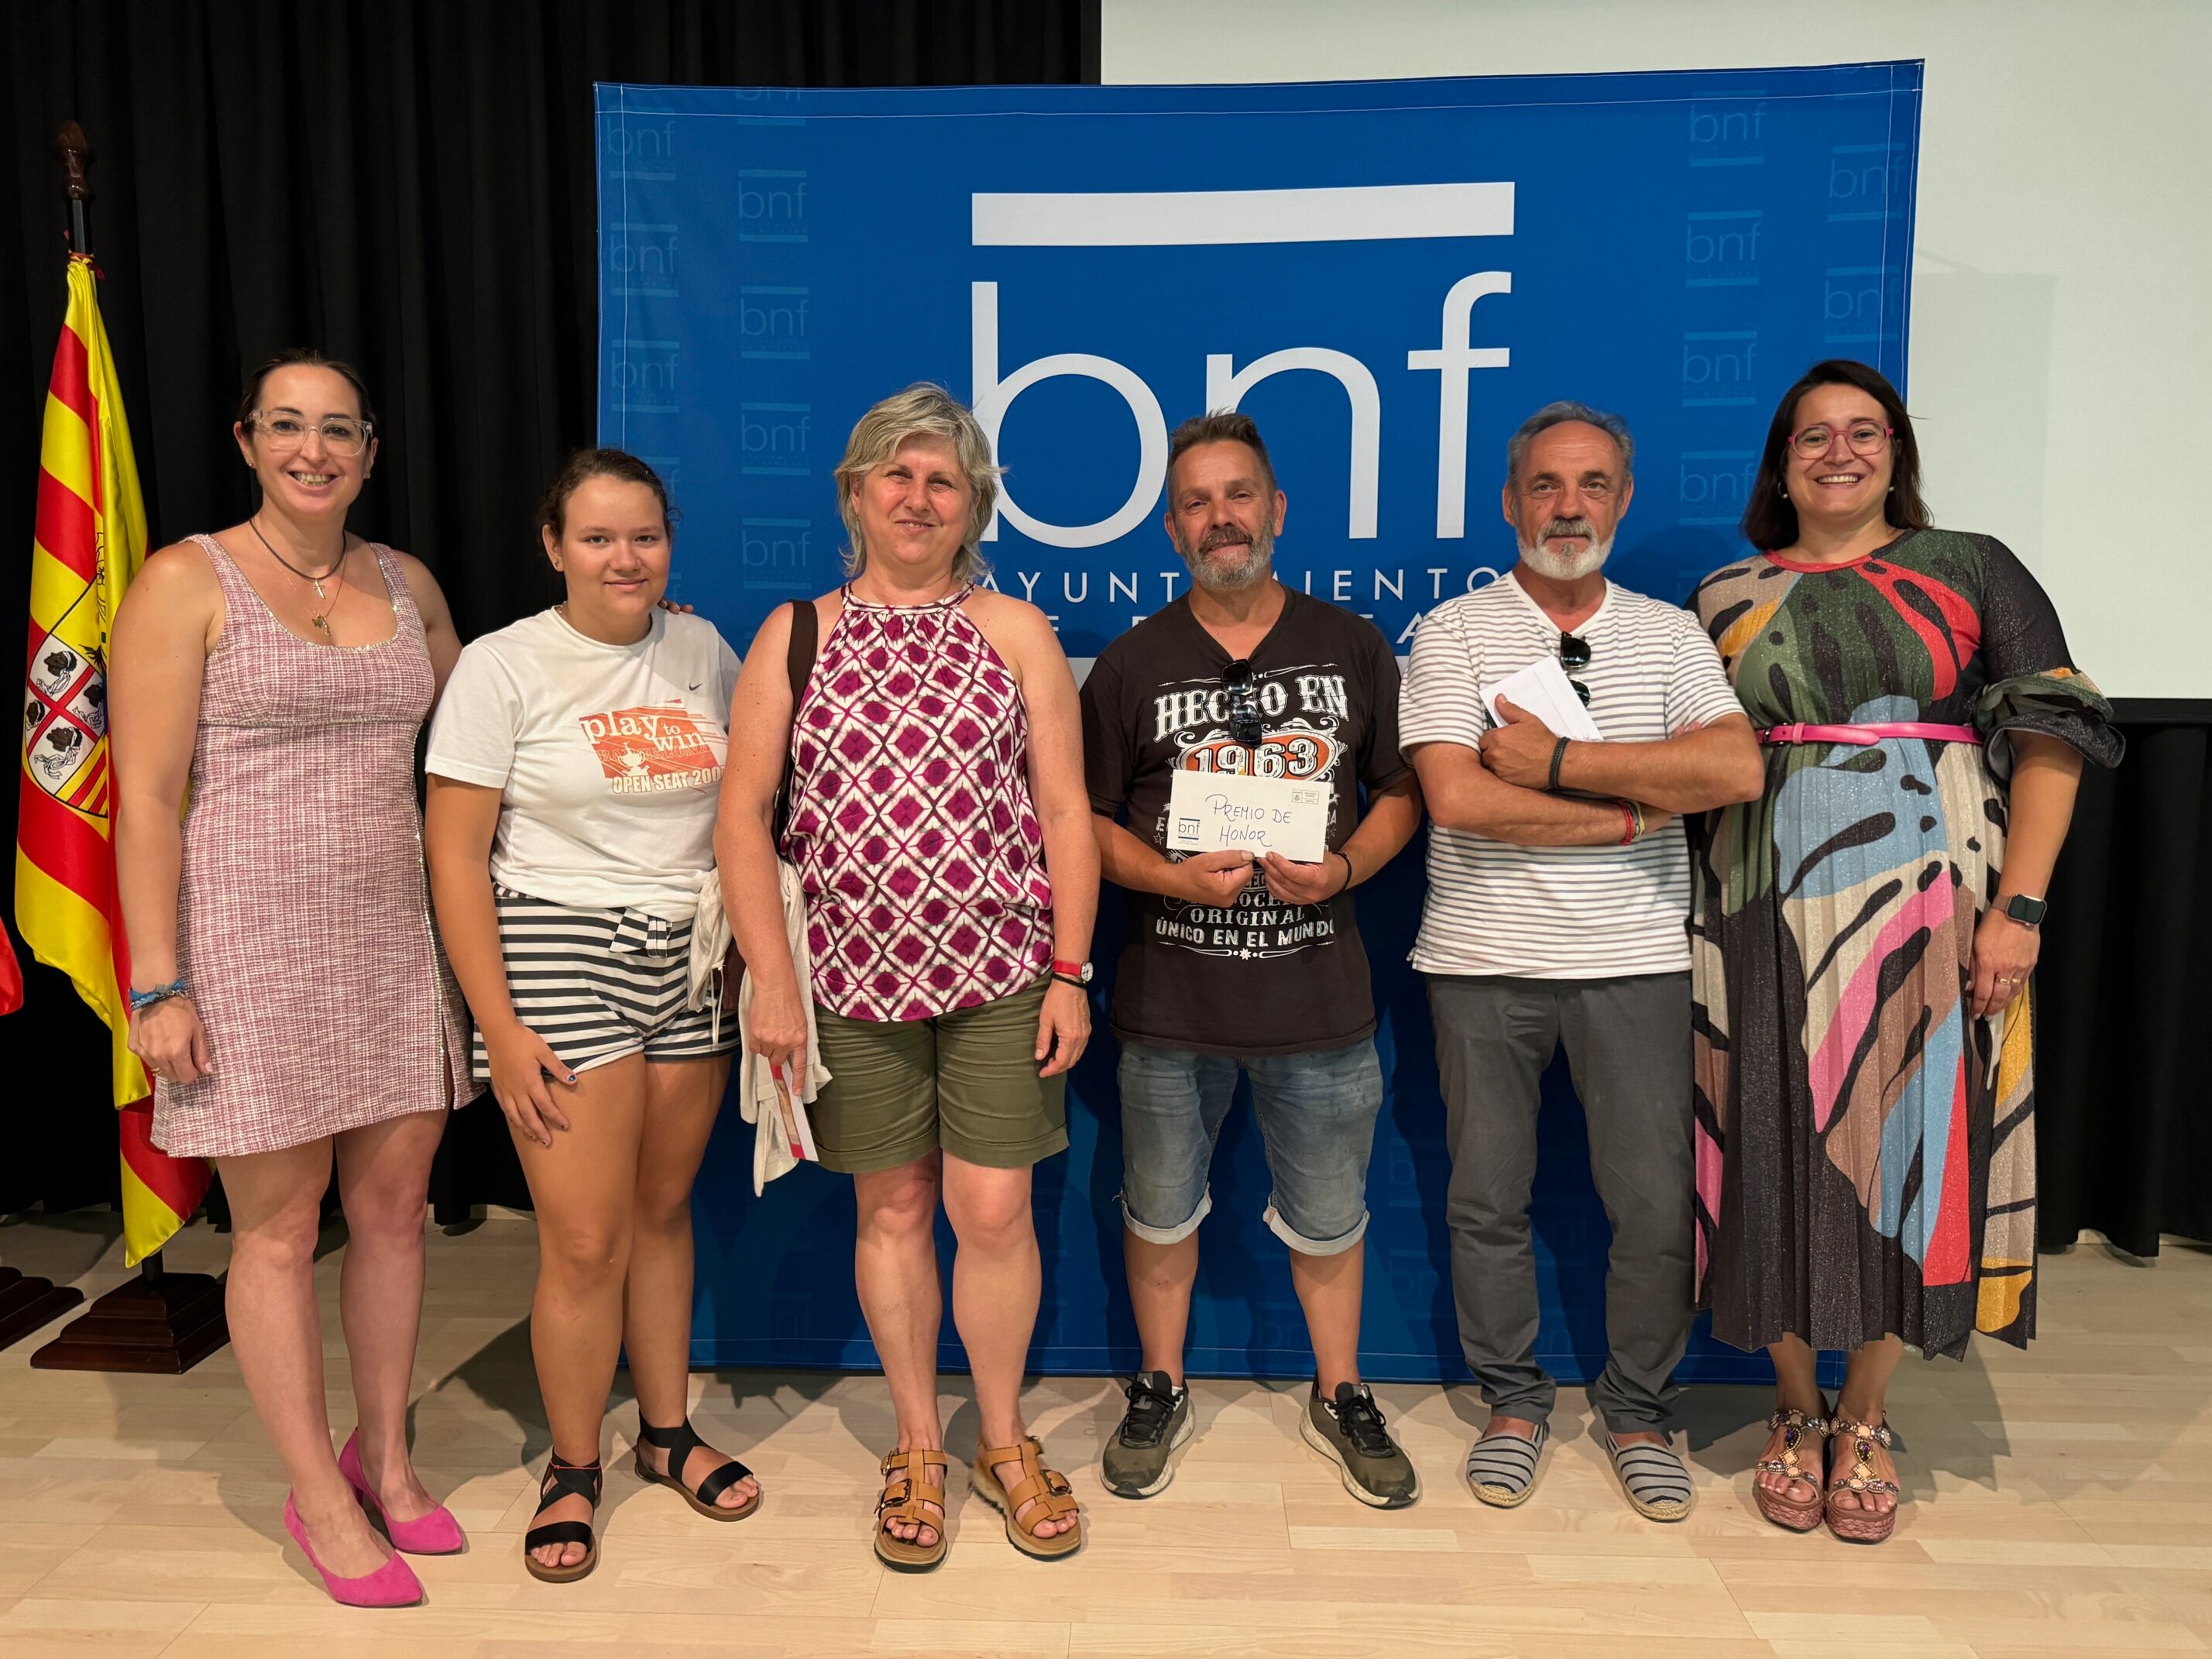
{"x": 2027, "y": 912}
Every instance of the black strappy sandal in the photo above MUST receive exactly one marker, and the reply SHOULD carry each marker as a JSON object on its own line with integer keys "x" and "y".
{"x": 679, "y": 1442}
{"x": 564, "y": 1480}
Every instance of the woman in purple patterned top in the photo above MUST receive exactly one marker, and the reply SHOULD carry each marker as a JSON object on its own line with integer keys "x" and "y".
{"x": 941, "y": 833}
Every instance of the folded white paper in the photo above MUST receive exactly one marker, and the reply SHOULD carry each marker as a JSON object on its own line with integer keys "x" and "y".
{"x": 1542, "y": 689}
{"x": 1227, "y": 811}
{"x": 790, "y": 1113}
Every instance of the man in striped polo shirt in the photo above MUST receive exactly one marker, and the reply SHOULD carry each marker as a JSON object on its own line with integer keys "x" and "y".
{"x": 1556, "y": 914}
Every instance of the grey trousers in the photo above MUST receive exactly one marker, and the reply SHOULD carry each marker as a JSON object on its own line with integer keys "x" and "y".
{"x": 1628, "y": 1049}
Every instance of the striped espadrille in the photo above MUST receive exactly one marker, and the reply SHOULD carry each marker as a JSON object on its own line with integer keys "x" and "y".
{"x": 1655, "y": 1481}
{"x": 1502, "y": 1467}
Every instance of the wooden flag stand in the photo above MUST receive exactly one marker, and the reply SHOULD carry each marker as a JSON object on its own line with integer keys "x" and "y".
{"x": 161, "y": 1323}
{"x": 26, "y": 1303}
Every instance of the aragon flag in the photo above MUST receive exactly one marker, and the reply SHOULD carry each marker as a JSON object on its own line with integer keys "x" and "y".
{"x": 89, "y": 542}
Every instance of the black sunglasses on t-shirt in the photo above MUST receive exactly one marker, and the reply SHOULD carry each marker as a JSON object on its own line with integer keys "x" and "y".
{"x": 1574, "y": 657}
{"x": 1246, "y": 724}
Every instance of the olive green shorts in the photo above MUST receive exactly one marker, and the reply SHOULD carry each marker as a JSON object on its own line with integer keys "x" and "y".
{"x": 963, "y": 1083}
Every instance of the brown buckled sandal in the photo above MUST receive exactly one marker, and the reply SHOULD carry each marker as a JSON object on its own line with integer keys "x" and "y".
{"x": 1048, "y": 1489}
{"x": 1861, "y": 1525}
{"x": 911, "y": 1479}
{"x": 1793, "y": 1514}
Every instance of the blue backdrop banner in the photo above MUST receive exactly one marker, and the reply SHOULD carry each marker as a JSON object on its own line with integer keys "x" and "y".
{"x": 1388, "y": 276}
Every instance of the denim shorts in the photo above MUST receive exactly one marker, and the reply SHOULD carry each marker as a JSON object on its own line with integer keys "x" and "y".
{"x": 1317, "y": 1114}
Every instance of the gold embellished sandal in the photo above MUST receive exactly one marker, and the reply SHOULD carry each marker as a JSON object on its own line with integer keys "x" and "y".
{"x": 911, "y": 1479}
{"x": 1785, "y": 1511}
{"x": 1862, "y": 1525}
{"x": 1054, "y": 1497}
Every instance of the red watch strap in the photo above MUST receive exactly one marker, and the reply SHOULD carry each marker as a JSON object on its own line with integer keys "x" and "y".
{"x": 1072, "y": 970}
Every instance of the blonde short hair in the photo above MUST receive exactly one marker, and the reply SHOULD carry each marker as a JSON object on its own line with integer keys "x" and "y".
{"x": 922, "y": 411}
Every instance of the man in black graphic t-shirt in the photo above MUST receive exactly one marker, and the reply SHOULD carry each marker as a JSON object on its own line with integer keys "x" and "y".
{"x": 1233, "y": 962}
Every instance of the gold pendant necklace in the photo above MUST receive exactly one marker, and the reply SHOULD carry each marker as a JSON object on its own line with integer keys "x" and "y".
{"x": 322, "y": 624}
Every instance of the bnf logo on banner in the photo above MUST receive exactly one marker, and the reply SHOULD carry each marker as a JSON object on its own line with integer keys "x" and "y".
{"x": 1388, "y": 276}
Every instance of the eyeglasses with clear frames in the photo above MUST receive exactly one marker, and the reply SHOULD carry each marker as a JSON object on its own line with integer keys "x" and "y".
{"x": 1865, "y": 438}
{"x": 284, "y": 432}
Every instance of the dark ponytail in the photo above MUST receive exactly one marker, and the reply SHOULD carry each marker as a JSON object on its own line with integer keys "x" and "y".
{"x": 305, "y": 357}
{"x": 553, "y": 511}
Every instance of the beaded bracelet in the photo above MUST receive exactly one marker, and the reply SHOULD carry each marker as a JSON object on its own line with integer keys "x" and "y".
{"x": 142, "y": 1000}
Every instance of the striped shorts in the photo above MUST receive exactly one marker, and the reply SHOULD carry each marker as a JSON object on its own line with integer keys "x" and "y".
{"x": 599, "y": 985}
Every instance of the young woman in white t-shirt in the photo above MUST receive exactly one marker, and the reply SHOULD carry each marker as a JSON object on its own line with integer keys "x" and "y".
{"x": 575, "y": 766}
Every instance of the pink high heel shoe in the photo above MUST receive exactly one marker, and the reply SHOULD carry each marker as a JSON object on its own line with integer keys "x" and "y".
{"x": 434, "y": 1533}
{"x": 392, "y": 1585}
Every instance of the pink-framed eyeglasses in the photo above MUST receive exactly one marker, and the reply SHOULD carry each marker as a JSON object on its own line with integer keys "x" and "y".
{"x": 1865, "y": 438}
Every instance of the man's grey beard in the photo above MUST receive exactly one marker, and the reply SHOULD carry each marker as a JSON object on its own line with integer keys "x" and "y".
{"x": 1259, "y": 565}
{"x": 1566, "y": 566}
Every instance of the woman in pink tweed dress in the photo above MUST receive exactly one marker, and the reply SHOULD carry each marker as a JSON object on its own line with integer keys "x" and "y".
{"x": 289, "y": 997}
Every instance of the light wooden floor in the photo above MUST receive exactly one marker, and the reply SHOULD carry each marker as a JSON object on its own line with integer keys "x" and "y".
{"x": 2056, "y": 1501}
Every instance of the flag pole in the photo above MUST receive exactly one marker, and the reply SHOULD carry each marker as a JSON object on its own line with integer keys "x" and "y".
{"x": 28, "y": 1304}
{"x": 161, "y": 1323}
{"x": 74, "y": 151}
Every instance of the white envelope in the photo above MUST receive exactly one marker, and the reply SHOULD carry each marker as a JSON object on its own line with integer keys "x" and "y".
{"x": 1227, "y": 811}
{"x": 1541, "y": 689}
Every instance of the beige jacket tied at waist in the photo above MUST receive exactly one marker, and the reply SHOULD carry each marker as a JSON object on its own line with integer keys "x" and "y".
{"x": 772, "y": 1153}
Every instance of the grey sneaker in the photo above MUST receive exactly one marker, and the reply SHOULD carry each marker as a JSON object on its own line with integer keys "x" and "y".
{"x": 1348, "y": 1432}
{"x": 1140, "y": 1459}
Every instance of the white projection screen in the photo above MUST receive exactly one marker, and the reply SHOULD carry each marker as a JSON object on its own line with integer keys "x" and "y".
{"x": 2061, "y": 339}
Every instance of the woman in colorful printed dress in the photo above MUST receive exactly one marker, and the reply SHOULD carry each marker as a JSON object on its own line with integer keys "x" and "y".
{"x": 287, "y": 994}
{"x": 941, "y": 833}
{"x": 575, "y": 766}
{"x": 1864, "y": 936}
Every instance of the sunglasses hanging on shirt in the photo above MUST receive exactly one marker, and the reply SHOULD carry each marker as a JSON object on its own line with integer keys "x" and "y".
{"x": 1246, "y": 724}
{"x": 1574, "y": 657}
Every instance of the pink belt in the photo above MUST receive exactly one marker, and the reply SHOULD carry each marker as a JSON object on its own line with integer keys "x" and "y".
{"x": 1868, "y": 734}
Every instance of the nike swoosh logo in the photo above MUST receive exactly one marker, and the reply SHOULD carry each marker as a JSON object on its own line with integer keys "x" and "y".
{"x": 697, "y": 687}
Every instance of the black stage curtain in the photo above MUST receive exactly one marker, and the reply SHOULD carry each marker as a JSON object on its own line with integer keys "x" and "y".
{"x": 2123, "y": 1135}
{"x": 408, "y": 184}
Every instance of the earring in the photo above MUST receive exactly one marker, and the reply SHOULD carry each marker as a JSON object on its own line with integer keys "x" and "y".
{"x": 1782, "y": 490}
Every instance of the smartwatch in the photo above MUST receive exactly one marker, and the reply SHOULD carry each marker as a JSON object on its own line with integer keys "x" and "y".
{"x": 2027, "y": 912}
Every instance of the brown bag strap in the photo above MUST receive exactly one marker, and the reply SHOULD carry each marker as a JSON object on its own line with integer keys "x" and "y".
{"x": 798, "y": 664}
